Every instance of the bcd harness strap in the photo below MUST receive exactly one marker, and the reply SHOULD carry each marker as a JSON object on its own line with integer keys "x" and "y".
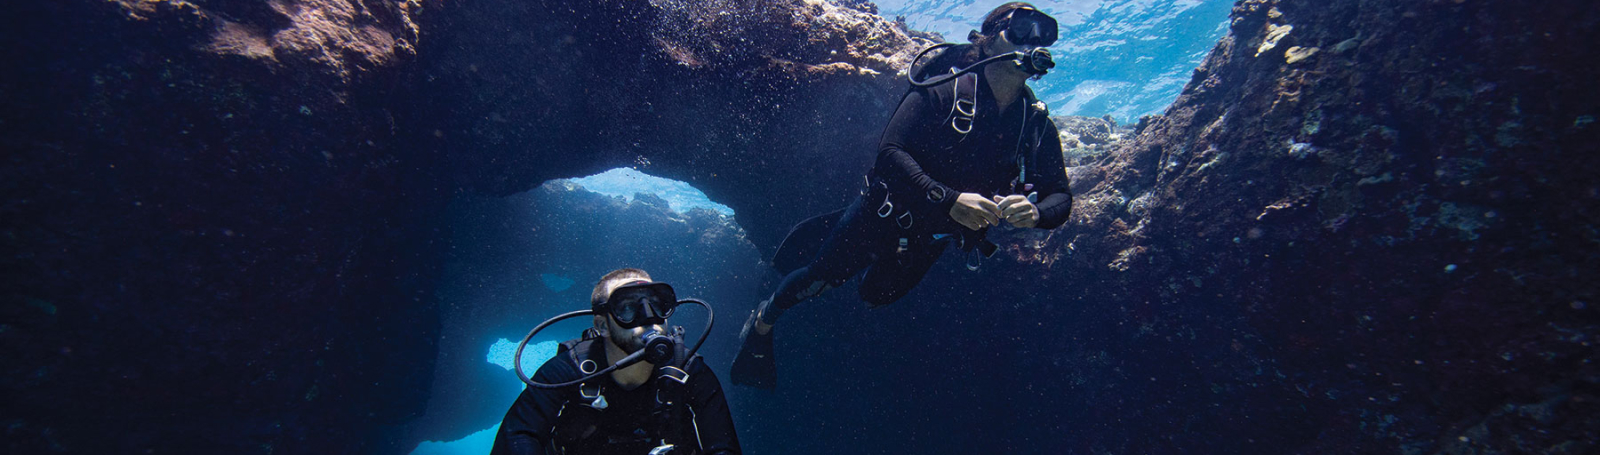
{"x": 671, "y": 384}
{"x": 963, "y": 112}
{"x": 964, "y": 108}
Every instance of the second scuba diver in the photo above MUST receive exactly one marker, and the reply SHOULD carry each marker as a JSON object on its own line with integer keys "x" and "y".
{"x": 968, "y": 148}
{"x": 628, "y": 386}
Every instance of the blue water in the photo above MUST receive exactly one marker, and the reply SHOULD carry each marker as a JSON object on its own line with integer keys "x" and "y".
{"x": 499, "y": 354}
{"x": 1123, "y": 58}
{"x": 534, "y": 255}
{"x": 626, "y": 182}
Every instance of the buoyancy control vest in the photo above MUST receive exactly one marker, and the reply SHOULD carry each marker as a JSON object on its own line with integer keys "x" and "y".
{"x": 588, "y": 423}
{"x": 896, "y": 202}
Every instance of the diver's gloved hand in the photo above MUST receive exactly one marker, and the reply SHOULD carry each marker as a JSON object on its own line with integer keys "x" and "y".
{"x": 974, "y": 211}
{"x": 1018, "y": 210}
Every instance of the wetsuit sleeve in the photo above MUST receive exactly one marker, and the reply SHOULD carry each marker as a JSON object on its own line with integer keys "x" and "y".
{"x": 905, "y": 139}
{"x": 527, "y": 426}
{"x": 1055, "y": 190}
{"x": 713, "y": 422}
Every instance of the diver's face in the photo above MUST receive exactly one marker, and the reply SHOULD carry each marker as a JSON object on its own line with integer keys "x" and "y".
{"x": 630, "y": 340}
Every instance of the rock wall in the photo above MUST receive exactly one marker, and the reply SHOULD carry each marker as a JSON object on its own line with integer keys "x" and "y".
{"x": 740, "y": 98}
{"x": 1363, "y": 227}
{"x": 211, "y": 242}
{"x": 223, "y": 218}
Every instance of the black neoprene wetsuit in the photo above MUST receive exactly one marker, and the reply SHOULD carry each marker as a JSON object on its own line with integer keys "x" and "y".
{"x": 537, "y": 420}
{"x": 924, "y": 164}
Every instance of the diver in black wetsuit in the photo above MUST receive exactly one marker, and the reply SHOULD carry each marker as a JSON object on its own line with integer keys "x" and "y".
{"x": 674, "y": 406}
{"x": 964, "y": 152}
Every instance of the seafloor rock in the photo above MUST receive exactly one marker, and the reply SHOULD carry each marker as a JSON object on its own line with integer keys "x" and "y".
{"x": 730, "y": 96}
{"x": 222, "y": 219}
{"x": 210, "y": 242}
{"x": 1363, "y": 227}
{"x": 1085, "y": 140}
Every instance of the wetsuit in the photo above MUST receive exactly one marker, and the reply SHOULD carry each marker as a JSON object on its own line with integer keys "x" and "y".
{"x": 552, "y": 421}
{"x": 923, "y": 165}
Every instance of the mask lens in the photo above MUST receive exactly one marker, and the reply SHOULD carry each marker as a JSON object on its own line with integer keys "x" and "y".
{"x": 1031, "y": 28}
{"x": 663, "y": 307}
{"x": 626, "y": 312}
{"x": 628, "y": 304}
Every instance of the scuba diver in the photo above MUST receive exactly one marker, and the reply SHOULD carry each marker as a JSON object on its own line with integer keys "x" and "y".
{"x": 628, "y": 386}
{"x": 968, "y": 148}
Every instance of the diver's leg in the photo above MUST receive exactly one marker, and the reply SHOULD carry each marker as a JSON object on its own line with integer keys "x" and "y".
{"x": 892, "y": 277}
{"x": 849, "y": 249}
{"x": 852, "y": 246}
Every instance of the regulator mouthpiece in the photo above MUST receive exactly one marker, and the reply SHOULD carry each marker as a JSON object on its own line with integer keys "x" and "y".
{"x": 1036, "y": 61}
{"x": 658, "y": 347}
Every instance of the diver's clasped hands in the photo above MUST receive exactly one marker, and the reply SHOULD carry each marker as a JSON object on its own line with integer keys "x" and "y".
{"x": 1018, "y": 210}
{"x": 975, "y": 212}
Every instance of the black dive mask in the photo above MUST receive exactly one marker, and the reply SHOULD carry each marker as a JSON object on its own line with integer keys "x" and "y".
{"x": 640, "y": 303}
{"x": 1030, "y": 27}
{"x": 632, "y": 305}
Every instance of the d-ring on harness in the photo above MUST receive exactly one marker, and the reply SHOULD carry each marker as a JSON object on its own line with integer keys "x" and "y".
{"x": 965, "y": 106}
{"x": 886, "y": 209}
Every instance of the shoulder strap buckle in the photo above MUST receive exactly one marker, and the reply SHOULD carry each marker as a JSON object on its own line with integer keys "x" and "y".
{"x": 965, "y": 107}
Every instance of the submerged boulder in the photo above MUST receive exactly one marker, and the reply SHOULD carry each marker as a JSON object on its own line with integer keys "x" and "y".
{"x": 1361, "y": 228}
{"x": 740, "y": 98}
{"x": 1364, "y": 226}
{"x": 224, "y": 219}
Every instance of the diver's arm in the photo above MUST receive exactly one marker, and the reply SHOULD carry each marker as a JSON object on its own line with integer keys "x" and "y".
{"x": 527, "y": 425}
{"x": 1055, "y": 189}
{"x": 713, "y": 423}
{"x": 914, "y": 122}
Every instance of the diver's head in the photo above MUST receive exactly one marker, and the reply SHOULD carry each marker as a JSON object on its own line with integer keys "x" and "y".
{"x": 627, "y": 305}
{"x": 1017, "y": 27}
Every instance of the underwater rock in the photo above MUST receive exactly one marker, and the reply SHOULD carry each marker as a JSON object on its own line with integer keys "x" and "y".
{"x": 728, "y": 96}
{"x": 223, "y": 223}
{"x": 1379, "y": 262}
{"x": 1086, "y": 139}
{"x": 234, "y": 206}
{"x": 210, "y": 193}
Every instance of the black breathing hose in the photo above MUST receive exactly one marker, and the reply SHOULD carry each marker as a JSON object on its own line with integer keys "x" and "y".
{"x": 626, "y": 361}
{"x": 1019, "y": 55}
{"x": 711, "y": 318}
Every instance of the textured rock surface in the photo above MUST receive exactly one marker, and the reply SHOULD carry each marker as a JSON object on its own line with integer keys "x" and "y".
{"x": 1366, "y": 226}
{"x": 726, "y": 95}
{"x": 1084, "y": 140}
{"x": 1363, "y": 228}
{"x": 222, "y": 218}
{"x": 210, "y": 243}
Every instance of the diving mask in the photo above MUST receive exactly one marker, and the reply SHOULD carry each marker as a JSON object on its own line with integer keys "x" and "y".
{"x": 1030, "y": 27}
{"x": 640, "y": 303}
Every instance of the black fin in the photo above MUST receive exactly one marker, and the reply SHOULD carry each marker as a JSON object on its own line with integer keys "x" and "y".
{"x": 755, "y": 367}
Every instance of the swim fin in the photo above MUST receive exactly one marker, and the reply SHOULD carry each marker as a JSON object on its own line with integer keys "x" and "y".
{"x": 755, "y": 366}
{"x": 804, "y": 241}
